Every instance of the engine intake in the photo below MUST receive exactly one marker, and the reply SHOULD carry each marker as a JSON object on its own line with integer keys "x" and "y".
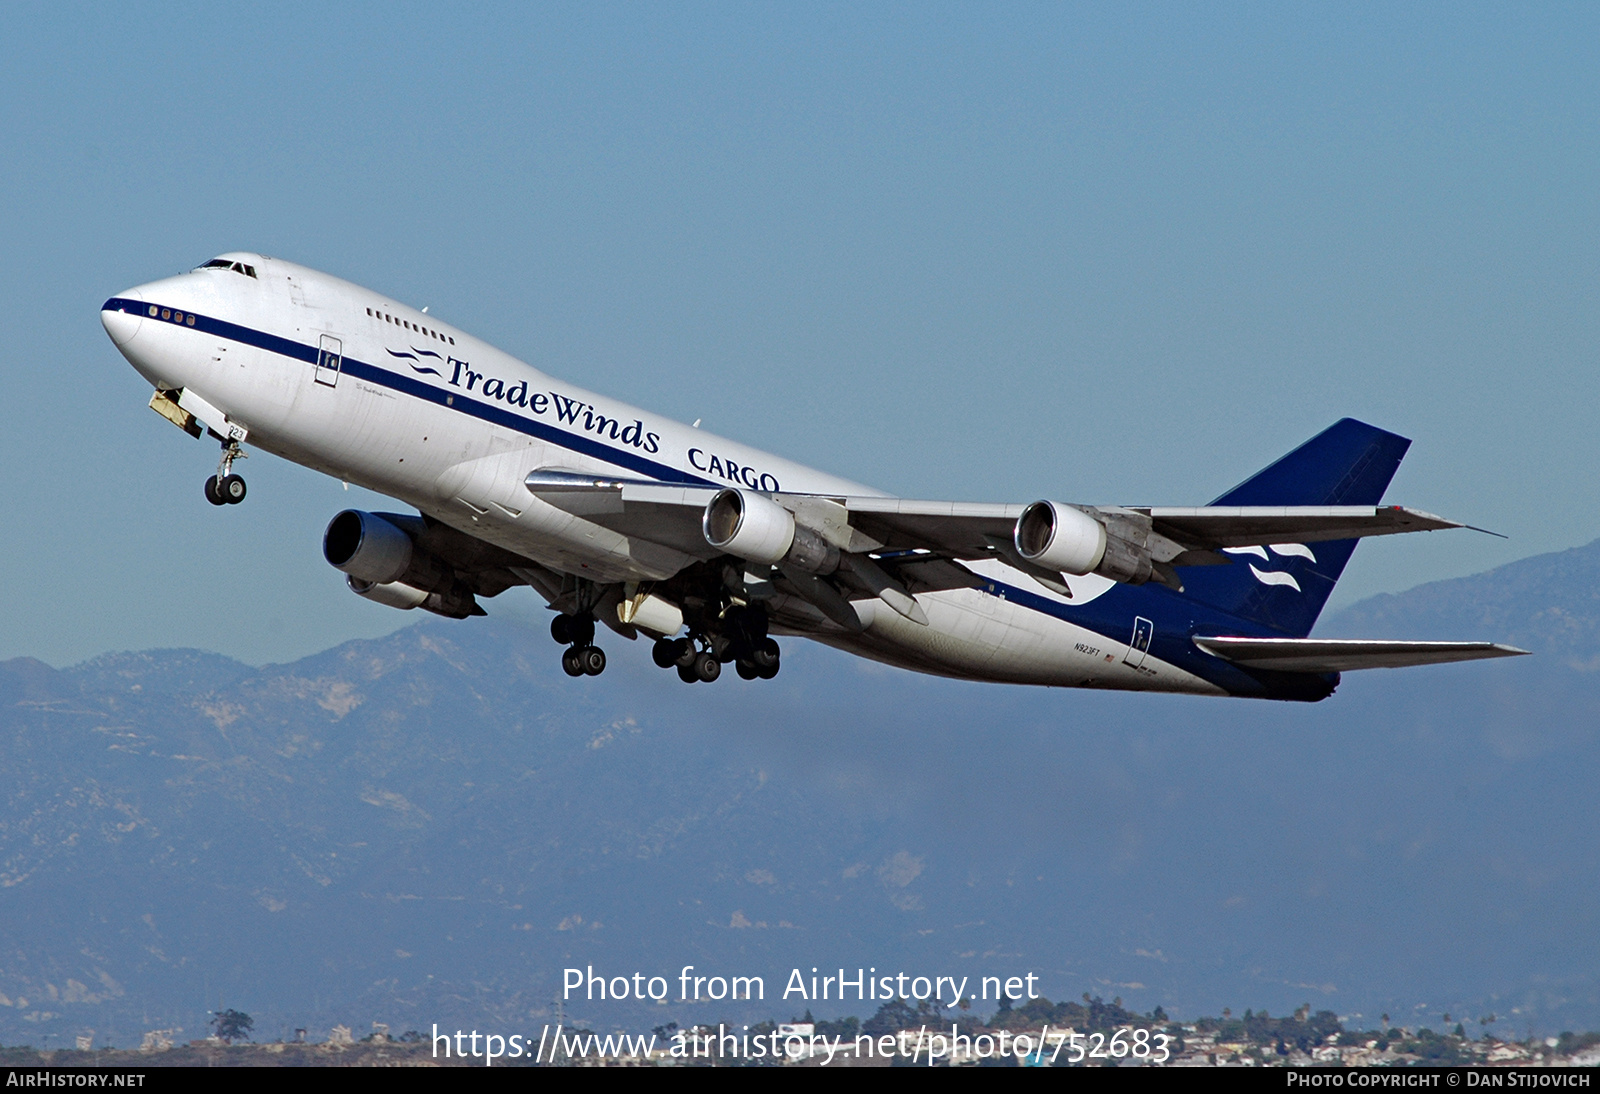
{"x": 1060, "y": 538}
{"x": 367, "y": 547}
{"x": 753, "y": 527}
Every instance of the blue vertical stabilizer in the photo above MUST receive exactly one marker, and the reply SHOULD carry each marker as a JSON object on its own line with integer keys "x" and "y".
{"x": 1284, "y": 586}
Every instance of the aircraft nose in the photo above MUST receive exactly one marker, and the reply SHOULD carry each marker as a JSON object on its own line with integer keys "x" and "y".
{"x": 122, "y": 316}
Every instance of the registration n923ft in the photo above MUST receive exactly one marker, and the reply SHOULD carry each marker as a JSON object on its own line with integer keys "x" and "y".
{"x": 1122, "y": 1043}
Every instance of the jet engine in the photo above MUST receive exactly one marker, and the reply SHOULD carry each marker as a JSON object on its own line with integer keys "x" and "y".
{"x": 1060, "y": 538}
{"x": 1068, "y": 540}
{"x": 367, "y": 547}
{"x": 385, "y": 565}
{"x": 757, "y": 529}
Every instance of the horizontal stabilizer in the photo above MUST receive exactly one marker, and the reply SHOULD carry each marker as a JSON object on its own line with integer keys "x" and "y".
{"x": 1345, "y": 654}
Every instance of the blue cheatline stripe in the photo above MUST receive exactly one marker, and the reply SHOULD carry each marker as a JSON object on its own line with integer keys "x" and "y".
{"x": 1000, "y": 590}
{"x": 407, "y": 385}
{"x": 1041, "y": 604}
{"x": 1169, "y": 646}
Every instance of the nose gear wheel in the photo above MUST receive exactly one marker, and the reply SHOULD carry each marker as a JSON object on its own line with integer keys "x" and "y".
{"x": 226, "y": 488}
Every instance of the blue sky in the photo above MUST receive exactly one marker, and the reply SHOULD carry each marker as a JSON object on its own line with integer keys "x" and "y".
{"x": 1107, "y": 254}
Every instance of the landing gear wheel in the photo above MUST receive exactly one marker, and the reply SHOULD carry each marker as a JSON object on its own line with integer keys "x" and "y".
{"x": 686, "y": 654}
{"x": 768, "y": 673}
{"x": 746, "y": 670}
{"x": 572, "y": 630}
{"x": 687, "y": 674}
{"x": 664, "y": 653}
{"x": 765, "y": 655}
{"x": 707, "y": 668}
{"x": 583, "y": 629}
{"x": 226, "y": 488}
{"x": 572, "y": 662}
{"x": 593, "y": 660}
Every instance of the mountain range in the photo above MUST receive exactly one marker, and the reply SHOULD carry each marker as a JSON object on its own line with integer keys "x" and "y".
{"x": 430, "y": 827}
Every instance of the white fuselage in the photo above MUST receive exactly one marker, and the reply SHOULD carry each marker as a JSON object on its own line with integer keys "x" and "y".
{"x": 429, "y": 415}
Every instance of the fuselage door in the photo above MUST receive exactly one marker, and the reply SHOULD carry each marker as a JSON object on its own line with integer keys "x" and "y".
{"x": 330, "y": 355}
{"x": 1139, "y": 644}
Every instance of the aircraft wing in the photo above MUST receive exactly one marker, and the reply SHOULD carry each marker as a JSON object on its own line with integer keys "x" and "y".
{"x": 658, "y": 512}
{"x": 1343, "y": 654}
{"x": 670, "y": 514}
{"x": 970, "y": 526}
{"x": 1228, "y": 526}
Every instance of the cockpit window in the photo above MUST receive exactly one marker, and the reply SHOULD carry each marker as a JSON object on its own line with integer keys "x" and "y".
{"x": 237, "y": 267}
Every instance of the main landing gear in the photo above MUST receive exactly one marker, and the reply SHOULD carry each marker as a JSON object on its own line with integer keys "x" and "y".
{"x": 583, "y": 657}
{"x": 226, "y": 488}
{"x": 741, "y": 639}
{"x": 694, "y": 665}
{"x": 735, "y": 634}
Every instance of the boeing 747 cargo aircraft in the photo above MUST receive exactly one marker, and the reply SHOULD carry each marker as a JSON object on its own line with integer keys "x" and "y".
{"x": 616, "y": 516}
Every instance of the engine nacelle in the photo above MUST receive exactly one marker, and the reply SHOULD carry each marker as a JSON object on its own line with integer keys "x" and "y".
{"x": 749, "y": 526}
{"x": 394, "y": 594}
{"x": 367, "y": 547}
{"x": 757, "y": 529}
{"x": 1060, "y": 538}
{"x": 1114, "y": 544}
{"x": 453, "y": 603}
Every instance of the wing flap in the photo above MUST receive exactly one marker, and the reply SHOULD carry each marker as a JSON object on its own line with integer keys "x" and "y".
{"x": 957, "y": 528}
{"x": 670, "y": 513}
{"x": 666, "y": 514}
{"x": 1345, "y": 654}
{"x": 964, "y": 529}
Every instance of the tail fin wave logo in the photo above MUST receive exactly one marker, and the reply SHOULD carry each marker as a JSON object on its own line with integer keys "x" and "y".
{"x": 1274, "y": 577}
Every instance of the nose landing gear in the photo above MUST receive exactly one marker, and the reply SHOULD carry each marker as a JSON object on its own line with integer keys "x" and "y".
{"x": 226, "y": 488}
{"x": 583, "y": 657}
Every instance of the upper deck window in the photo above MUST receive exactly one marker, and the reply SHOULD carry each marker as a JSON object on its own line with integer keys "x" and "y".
{"x": 237, "y": 267}
{"x": 378, "y": 313}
